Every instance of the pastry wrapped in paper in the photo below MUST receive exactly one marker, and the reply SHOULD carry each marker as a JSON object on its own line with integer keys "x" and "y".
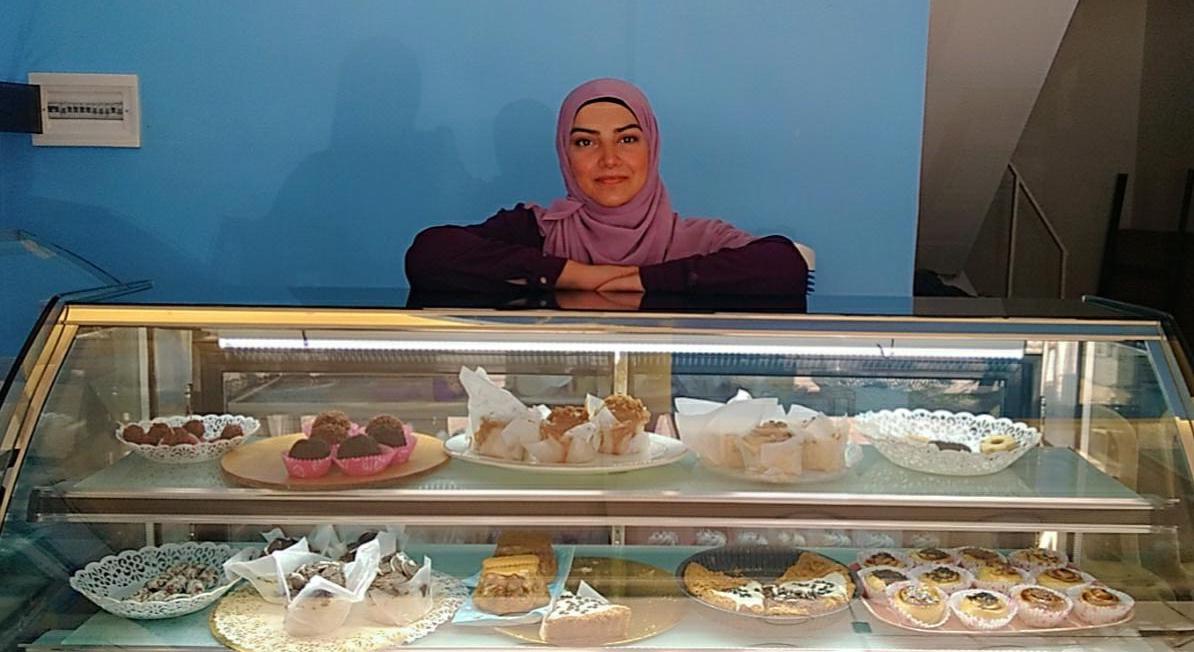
{"x": 712, "y": 429}
{"x": 263, "y": 572}
{"x": 396, "y": 599}
{"x": 626, "y": 439}
{"x": 500, "y": 425}
{"x": 825, "y": 438}
{"x": 578, "y": 445}
{"x": 322, "y": 605}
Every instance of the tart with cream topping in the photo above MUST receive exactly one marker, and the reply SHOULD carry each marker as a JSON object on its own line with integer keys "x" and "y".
{"x": 921, "y": 604}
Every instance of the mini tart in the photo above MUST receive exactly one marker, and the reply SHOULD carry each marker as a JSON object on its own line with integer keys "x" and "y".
{"x": 1036, "y": 560}
{"x": 922, "y": 605}
{"x": 932, "y": 556}
{"x": 948, "y": 578}
{"x": 973, "y": 557}
{"x": 1100, "y": 605}
{"x": 883, "y": 557}
{"x": 876, "y": 579}
{"x": 999, "y": 577}
{"x": 1062, "y": 578}
{"x": 981, "y": 609}
{"x": 1038, "y": 606}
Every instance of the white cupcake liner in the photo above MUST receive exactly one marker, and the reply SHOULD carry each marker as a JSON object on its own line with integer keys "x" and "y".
{"x": 1035, "y": 616}
{"x": 1016, "y": 559}
{"x": 966, "y": 583}
{"x": 1100, "y": 615}
{"x": 1087, "y": 578}
{"x": 902, "y": 557}
{"x": 864, "y": 573}
{"x": 986, "y": 624}
{"x": 916, "y": 561}
{"x": 972, "y": 564}
{"x": 1002, "y": 586}
{"x": 893, "y": 589}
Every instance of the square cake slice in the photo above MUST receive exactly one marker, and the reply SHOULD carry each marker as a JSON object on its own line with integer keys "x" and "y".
{"x": 510, "y": 585}
{"x": 582, "y": 620}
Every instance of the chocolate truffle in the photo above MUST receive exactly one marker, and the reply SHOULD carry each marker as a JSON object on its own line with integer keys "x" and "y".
{"x": 158, "y": 431}
{"x": 310, "y": 449}
{"x": 179, "y": 437}
{"x": 386, "y": 430}
{"x": 195, "y": 427}
{"x": 135, "y": 434}
{"x": 232, "y": 431}
{"x": 332, "y": 433}
{"x": 332, "y": 416}
{"x": 359, "y": 446}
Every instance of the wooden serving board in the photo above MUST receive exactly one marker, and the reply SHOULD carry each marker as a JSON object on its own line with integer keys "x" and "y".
{"x": 260, "y": 465}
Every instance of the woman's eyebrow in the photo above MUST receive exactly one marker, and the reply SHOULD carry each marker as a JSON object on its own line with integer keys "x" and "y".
{"x": 585, "y": 131}
{"x": 632, "y": 125}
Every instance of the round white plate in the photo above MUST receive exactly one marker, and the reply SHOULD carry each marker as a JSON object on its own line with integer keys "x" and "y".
{"x": 664, "y": 450}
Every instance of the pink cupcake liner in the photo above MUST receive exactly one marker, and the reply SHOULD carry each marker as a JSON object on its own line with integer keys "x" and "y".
{"x": 369, "y": 465}
{"x": 402, "y": 453}
{"x": 306, "y": 469}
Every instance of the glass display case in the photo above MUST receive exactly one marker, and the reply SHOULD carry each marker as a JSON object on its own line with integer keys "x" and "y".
{"x": 721, "y": 480}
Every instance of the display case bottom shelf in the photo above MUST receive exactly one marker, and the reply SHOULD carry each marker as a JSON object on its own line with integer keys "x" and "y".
{"x": 1156, "y": 627}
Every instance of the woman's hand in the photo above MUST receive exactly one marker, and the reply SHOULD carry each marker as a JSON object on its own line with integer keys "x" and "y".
{"x": 582, "y": 276}
{"x": 632, "y": 282}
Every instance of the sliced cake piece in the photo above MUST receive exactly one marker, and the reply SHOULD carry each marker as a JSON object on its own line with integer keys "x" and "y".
{"x": 585, "y": 618}
{"x": 510, "y": 585}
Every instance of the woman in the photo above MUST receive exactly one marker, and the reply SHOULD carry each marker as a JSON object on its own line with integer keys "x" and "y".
{"x": 614, "y": 232}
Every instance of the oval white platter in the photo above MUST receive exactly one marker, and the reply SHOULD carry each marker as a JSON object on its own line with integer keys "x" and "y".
{"x": 664, "y": 450}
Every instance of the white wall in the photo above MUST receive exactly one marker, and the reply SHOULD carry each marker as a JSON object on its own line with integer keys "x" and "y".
{"x": 987, "y": 61}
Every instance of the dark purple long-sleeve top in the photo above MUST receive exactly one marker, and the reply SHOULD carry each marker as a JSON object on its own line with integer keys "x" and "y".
{"x": 507, "y": 249}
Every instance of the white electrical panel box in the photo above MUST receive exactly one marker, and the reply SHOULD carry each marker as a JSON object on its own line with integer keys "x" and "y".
{"x": 88, "y": 110}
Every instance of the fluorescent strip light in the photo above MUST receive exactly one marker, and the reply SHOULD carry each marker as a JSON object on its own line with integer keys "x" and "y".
{"x": 521, "y": 346}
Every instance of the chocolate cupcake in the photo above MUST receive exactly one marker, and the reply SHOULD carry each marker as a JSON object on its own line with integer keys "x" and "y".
{"x": 359, "y": 446}
{"x": 158, "y": 431}
{"x": 330, "y": 432}
{"x": 362, "y": 455}
{"x": 195, "y": 427}
{"x": 386, "y": 430}
{"x": 232, "y": 431}
{"x": 179, "y": 437}
{"x": 334, "y": 417}
{"x": 310, "y": 449}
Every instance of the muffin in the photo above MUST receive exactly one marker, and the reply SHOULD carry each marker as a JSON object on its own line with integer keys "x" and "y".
{"x": 1036, "y": 560}
{"x": 1038, "y": 606}
{"x": 362, "y": 455}
{"x": 1100, "y": 605}
{"x": 750, "y": 447}
{"x": 876, "y": 579}
{"x": 195, "y": 427}
{"x": 399, "y": 595}
{"x": 232, "y": 431}
{"x": 1062, "y": 578}
{"x": 932, "y": 556}
{"x": 562, "y": 419}
{"x": 981, "y": 609}
{"x": 179, "y": 437}
{"x": 999, "y": 577}
{"x": 973, "y": 556}
{"x": 922, "y": 605}
{"x": 868, "y": 558}
{"x": 318, "y": 612}
{"x": 631, "y": 417}
{"x": 948, "y": 578}
{"x": 308, "y": 458}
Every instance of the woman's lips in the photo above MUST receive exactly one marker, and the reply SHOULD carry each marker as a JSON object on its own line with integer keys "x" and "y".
{"x": 611, "y": 181}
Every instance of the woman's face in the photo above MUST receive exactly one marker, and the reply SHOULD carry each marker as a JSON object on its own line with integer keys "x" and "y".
{"x": 608, "y": 154}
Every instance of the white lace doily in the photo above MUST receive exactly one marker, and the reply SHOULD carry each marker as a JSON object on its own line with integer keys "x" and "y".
{"x": 109, "y": 581}
{"x": 246, "y": 623}
{"x": 904, "y": 436}
{"x": 212, "y": 447}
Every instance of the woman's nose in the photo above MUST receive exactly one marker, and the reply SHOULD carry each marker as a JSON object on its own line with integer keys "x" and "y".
{"x": 609, "y": 156}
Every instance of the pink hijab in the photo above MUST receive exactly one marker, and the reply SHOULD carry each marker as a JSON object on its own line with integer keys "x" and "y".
{"x": 645, "y": 230}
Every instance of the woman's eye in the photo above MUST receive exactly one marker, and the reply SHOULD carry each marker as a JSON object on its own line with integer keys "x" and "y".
{"x": 629, "y": 139}
{"x": 582, "y": 142}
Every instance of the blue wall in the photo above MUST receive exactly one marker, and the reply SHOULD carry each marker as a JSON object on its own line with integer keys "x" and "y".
{"x": 304, "y": 142}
